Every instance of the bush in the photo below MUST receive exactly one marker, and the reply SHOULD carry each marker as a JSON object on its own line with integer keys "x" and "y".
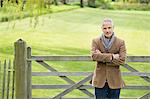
{"x": 144, "y": 1}
{"x": 103, "y": 4}
{"x": 130, "y": 5}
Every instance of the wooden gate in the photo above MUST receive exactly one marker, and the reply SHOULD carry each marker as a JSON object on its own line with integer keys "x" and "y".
{"x": 23, "y": 72}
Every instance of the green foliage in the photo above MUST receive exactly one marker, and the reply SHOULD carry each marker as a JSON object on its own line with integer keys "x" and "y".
{"x": 32, "y": 8}
{"x": 145, "y": 1}
{"x": 29, "y": 8}
{"x": 11, "y": 10}
{"x": 8, "y": 12}
{"x": 103, "y": 4}
{"x": 129, "y": 6}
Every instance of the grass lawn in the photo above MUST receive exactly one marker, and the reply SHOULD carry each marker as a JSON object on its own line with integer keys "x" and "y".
{"x": 70, "y": 33}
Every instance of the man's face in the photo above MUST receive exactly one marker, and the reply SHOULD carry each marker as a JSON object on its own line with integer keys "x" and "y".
{"x": 107, "y": 29}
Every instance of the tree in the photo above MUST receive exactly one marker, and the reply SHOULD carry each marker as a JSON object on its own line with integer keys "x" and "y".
{"x": 23, "y": 4}
{"x": 144, "y": 1}
{"x": 81, "y": 3}
{"x": 1, "y": 1}
{"x": 91, "y": 3}
{"x": 47, "y": 3}
{"x": 55, "y": 2}
{"x": 64, "y": 1}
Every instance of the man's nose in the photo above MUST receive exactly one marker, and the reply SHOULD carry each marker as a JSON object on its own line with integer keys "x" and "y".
{"x": 107, "y": 29}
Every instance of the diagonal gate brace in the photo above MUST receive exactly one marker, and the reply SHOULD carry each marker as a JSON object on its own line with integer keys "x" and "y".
{"x": 85, "y": 91}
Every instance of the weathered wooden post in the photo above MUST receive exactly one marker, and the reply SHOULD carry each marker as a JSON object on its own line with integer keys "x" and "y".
{"x": 29, "y": 74}
{"x": 20, "y": 69}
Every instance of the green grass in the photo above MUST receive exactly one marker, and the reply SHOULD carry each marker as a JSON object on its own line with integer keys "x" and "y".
{"x": 70, "y": 33}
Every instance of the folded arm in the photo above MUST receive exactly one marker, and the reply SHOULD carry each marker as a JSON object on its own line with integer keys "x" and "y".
{"x": 98, "y": 56}
{"x": 122, "y": 55}
{"x": 109, "y": 58}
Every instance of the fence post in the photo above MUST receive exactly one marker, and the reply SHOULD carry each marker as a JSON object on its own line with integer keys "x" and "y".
{"x": 29, "y": 75}
{"x": 0, "y": 80}
{"x": 20, "y": 69}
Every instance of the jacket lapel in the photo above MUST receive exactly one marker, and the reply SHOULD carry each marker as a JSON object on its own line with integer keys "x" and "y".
{"x": 101, "y": 46}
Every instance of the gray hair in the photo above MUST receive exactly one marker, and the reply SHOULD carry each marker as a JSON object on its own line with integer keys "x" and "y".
{"x": 108, "y": 20}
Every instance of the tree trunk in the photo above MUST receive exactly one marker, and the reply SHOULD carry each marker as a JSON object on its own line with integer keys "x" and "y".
{"x": 55, "y": 2}
{"x": 124, "y": 1}
{"x": 64, "y": 1}
{"x": 1, "y": 1}
{"x": 17, "y": 2}
{"x": 23, "y": 4}
{"x": 81, "y": 3}
{"x": 91, "y": 3}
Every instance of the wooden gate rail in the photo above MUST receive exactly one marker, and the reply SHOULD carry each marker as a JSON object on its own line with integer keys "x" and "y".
{"x": 85, "y": 87}
{"x": 23, "y": 60}
{"x": 83, "y": 58}
{"x": 84, "y": 73}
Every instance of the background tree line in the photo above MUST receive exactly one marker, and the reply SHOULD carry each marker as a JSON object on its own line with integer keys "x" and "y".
{"x": 90, "y": 3}
{"x": 18, "y": 9}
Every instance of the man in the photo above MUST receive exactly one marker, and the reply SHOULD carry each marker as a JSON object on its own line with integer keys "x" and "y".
{"x": 109, "y": 52}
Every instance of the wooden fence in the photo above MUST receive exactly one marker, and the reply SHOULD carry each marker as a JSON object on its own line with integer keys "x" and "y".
{"x": 23, "y": 74}
{"x": 6, "y": 80}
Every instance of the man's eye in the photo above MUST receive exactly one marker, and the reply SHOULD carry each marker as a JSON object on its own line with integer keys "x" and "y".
{"x": 104, "y": 28}
{"x": 109, "y": 27}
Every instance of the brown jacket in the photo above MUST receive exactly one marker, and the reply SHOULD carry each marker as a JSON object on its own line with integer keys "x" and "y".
{"x": 106, "y": 68}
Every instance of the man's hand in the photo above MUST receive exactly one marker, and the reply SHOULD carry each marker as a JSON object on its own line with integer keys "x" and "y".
{"x": 95, "y": 51}
{"x": 115, "y": 56}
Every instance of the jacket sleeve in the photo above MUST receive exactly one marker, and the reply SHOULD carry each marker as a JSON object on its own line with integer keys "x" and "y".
{"x": 101, "y": 57}
{"x": 122, "y": 55}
